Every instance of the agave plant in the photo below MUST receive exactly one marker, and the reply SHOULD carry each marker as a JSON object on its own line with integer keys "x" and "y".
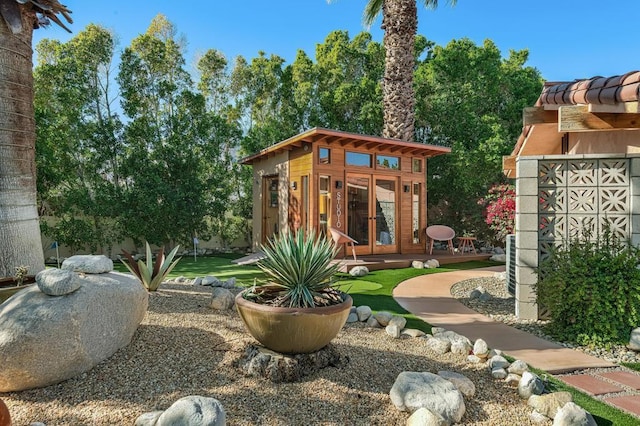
{"x": 151, "y": 275}
{"x": 300, "y": 271}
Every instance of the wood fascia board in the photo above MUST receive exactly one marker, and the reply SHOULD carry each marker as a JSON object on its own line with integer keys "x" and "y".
{"x": 579, "y": 119}
{"x": 538, "y": 115}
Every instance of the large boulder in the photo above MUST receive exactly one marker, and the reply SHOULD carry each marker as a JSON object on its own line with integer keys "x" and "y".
{"x": 414, "y": 390}
{"x": 88, "y": 264}
{"x": 45, "y": 340}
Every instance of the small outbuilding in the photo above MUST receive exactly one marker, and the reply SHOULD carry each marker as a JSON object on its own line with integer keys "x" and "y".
{"x": 370, "y": 188}
{"x": 577, "y": 166}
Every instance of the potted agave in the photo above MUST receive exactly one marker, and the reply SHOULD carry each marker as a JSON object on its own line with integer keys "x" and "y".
{"x": 297, "y": 310}
{"x": 11, "y": 285}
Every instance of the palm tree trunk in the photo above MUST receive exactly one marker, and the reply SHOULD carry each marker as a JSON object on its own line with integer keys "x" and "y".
{"x": 20, "y": 241}
{"x": 400, "y": 24}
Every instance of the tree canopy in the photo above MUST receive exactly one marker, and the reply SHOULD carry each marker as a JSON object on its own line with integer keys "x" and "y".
{"x": 150, "y": 150}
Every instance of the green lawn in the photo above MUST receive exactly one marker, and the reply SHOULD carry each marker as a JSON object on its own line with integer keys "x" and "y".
{"x": 375, "y": 290}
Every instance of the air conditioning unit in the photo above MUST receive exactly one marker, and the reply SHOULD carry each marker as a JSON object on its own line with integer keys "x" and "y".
{"x": 511, "y": 264}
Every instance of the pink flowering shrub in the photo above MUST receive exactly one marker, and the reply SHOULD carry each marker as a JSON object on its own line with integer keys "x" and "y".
{"x": 500, "y": 210}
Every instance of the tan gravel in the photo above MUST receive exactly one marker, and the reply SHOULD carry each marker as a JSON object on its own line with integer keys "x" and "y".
{"x": 184, "y": 348}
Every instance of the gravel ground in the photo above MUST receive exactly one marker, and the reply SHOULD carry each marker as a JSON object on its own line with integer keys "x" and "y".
{"x": 501, "y": 307}
{"x": 184, "y": 348}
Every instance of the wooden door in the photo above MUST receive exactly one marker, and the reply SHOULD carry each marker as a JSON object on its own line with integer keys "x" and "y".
{"x": 372, "y": 214}
{"x": 270, "y": 205}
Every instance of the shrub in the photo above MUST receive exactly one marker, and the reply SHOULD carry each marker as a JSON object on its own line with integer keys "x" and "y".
{"x": 151, "y": 275}
{"x": 500, "y": 210}
{"x": 592, "y": 289}
{"x": 300, "y": 271}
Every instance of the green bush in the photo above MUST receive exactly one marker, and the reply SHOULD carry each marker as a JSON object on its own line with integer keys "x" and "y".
{"x": 592, "y": 288}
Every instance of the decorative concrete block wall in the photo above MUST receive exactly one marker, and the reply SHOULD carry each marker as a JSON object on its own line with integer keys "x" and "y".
{"x": 557, "y": 197}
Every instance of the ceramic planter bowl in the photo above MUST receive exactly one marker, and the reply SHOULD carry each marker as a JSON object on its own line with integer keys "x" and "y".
{"x": 293, "y": 330}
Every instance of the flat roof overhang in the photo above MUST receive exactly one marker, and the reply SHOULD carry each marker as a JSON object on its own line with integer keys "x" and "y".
{"x": 348, "y": 140}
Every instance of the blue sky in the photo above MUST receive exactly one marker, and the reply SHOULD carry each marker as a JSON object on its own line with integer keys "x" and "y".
{"x": 567, "y": 39}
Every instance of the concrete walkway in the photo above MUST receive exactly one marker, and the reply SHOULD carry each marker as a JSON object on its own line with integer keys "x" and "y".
{"x": 429, "y": 297}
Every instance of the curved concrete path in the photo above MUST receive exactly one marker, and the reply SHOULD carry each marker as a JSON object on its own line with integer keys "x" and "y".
{"x": 429, "y": 297}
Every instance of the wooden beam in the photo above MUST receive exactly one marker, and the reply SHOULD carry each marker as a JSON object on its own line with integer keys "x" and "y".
{"x": 509, "y": 166}
{"x": 579, "y": 119}
{"x": 538, "y": 115}
{"x": 623, "y": 107}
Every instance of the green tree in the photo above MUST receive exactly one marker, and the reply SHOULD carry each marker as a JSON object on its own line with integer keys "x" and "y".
{"x": 79, "y": 140}
{"x": 178, "y": 151}
{"x": 470, "y": 99}
{"x": 19, "y": 228}
{"x": 400, "y": 25}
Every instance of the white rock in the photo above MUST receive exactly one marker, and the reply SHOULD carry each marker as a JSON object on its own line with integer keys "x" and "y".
{"x": 572, "y": 414}
{"x": 373, "y": 323}
{"x": 425, "y": 417}
{"x": 437, "y": 330}
{"x": 460, "y": 347}
{"x": 221, "y": 299}
{"x": 180, "y": 279}
{"x": 57, "y": 282}
{"x": 230, "y": 283}
{"x": 359, "y": 271}
{"x": 439, "y": 346}
{"x": 432, "y": 263}
{"x": 461, "y": 382}
{"x": 518, "y": 367}
{"x": 398, "y": 320}
{"x": 498, "y": 250}
{"x": 499, "y": 373}
{"x": 364, "y": 312}
{"x": 88, "y": 264}
{"x": 480, "y": 348}
{"x": 549, "y": 404}
{"x": 498, "y": 362}
{"x": 417, "y": 264}
{"x": 634, "y": 340}
{"x": 148, "y": 419}
{"x": 413, "y": 332}
{"x": 537, "y": 418}
{"x": 502, "y": 276}
{"x": 530, "y": 384}
{"x": 414, "y": 390}
{"x": 45, "y": 340}
{"x": 211, "y": 281}
{"x": 383, "y": 317}
{"x": 513, "y": 380}
{"x": 494, "y": 352}
{"x": 499, "y": 258}
{"x": 474, "y": 359}
{"x": 193, "y": 411}
{"x": 393, "y": 331}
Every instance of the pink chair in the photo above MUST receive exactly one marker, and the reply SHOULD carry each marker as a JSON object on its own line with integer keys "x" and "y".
{"x": 440, "y": 233}
{"x": 340, "y": 237}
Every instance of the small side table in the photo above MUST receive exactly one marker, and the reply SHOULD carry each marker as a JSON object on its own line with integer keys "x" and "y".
{"x": 466, "y": 242}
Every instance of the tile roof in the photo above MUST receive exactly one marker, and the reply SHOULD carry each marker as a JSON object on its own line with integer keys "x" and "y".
{"x": 596, "y": 90}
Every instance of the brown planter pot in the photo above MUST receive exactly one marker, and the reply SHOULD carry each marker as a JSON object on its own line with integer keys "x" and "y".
{"x": 8, "y": 287}
{"x": 5, "y": 417}
{"x": 293, "y": 330}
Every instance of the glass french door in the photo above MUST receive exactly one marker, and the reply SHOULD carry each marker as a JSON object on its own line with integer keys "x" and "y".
{"x": 372, "y": 213}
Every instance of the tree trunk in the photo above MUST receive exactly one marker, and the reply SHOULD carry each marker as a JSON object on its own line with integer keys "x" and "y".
{"x": 400, "y": 24}
{"x": 20, "y": 241}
